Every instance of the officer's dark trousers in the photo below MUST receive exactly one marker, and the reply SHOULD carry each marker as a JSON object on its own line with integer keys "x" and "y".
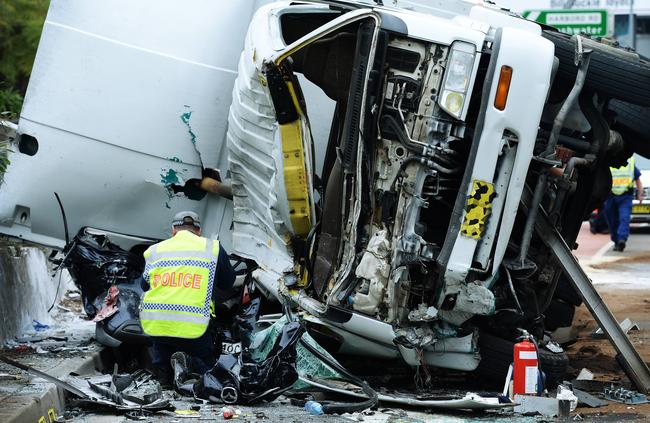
{"x": 201, "y": 350}
{"x": 618, "y": 209}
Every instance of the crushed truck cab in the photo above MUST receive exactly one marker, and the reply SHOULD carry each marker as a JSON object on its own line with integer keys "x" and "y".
{"x": 378, "y": 159}
{"x": 435, "y": 124}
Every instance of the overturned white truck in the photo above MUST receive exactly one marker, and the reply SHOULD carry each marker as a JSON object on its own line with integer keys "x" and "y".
{"x": 382, "y": 160}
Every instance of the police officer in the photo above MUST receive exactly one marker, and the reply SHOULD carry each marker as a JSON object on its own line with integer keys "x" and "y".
{"x": 183, "y": 274}
{"x": 618, "y": 206}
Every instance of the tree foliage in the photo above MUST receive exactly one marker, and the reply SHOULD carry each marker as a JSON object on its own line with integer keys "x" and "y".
{"x": 5, "y": 148}
{"x": 21, "y": 23}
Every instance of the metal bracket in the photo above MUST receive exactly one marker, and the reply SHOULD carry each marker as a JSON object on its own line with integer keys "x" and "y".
{"x": 623, "y": 395}
{"x": 580, "y": 51}
{"x": 581, "y": 60}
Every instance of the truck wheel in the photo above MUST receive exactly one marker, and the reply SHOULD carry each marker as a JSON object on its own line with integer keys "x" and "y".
{"x": 633, "y": 122}
{"x": 613, "y": 71}
{"x": 497, "y": 354}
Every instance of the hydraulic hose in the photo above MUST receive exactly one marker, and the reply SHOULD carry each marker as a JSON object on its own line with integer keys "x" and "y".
{"x": 344, "y": 407}
{"x": 425, "y": 162}
{"x": 513, "y": 292}
{"x": 391, "y": 123}
{"x": 420, "y": 149}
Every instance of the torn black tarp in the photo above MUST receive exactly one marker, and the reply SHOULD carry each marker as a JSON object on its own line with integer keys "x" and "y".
{"x": 95, "y": 264}
{"x": 245, "y": 322}
{"x": 238, "y": 378}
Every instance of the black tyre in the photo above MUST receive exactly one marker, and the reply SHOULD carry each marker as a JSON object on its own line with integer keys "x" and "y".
{"x": 497, "y": 354}
{"x": 633, "y": 122}
{"x": 613, "y": 72}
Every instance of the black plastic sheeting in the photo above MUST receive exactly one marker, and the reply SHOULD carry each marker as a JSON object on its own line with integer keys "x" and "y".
{"x": 95, "y": 264}
{"x": 237, "y": 378}
{"x": 245, "y": 322}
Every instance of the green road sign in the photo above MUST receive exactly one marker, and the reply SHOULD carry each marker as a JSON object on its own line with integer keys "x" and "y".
{"x": 591, "y": 22}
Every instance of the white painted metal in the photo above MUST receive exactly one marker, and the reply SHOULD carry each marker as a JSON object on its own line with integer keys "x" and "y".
{"x": 531, "y": 58}
{"x": 438, "y": 30}
{"x": 470, "y": 401}
{"x": 445, "y": 353}
{"x": 261, "y": 216}
{"x": 366, "y": 336}
{"x": 110, "y": 84}
{"x": 473, "y": 14}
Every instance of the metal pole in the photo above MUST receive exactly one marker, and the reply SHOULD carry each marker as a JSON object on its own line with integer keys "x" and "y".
{"x": 582, "y": 61}
{"x": 632, "y": 26}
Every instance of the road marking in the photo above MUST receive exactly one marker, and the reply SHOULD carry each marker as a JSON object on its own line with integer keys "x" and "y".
{"x": 601, "y": 252}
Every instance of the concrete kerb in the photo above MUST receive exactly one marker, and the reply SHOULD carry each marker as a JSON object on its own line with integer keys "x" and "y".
{"x": 34, "y": 406}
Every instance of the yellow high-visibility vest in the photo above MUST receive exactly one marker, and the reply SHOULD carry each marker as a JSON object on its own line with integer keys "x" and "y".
{"x": 623, "y": 177}
{"x": 181, "y": 273}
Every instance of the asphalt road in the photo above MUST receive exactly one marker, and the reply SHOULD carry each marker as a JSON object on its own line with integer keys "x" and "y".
{"x": 629, "y": 269}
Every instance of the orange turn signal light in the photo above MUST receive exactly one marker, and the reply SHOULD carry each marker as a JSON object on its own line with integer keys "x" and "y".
{"x": 502, "y": 89}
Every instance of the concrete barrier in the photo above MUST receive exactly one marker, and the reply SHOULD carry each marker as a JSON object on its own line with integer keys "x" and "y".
{"x": 26, "y": 289}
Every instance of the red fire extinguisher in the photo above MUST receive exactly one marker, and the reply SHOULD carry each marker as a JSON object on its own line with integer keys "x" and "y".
{"x": 526, "y": 368}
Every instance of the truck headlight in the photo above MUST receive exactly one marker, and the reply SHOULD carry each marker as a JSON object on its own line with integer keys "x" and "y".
{"x": 457, "y": 78}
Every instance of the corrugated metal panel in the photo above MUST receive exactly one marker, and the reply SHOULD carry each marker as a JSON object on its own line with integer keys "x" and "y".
{"x": 261, "y": 223}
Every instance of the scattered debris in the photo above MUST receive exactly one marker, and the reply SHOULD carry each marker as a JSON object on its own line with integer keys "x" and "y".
{"x": 507, "y": 386}
{"x": 7, "y": 376}
{"x": 553, "y": 347}
{"x": 469, "y": 401}
{"x": 45, "y": 376}
{"x": 38, "y": 326}
{"x": 135, "y": 415}
{"x": 239, "y": 378}
{"x": 35, "y": 339}
{"x": 548, "y": 407}
{"x": 565, "y": 335}
{"x": 41, "y": 344}
{"x": 625, "y": 396}
{"x": 585, "y": 375}
{"x": 143, "y": 393}
{"x": 187, "y": 414}
{"x": 566, "y": 393}
{"x": 593, "y": 386}
{"x": 626, "y": 325}
{"x": 314, "y": 408}
{"x": 62, "y": 308}
{"x": 20, "y": 348}
{"x": 229, "y": 412}
{"x": 588, "y": 399}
